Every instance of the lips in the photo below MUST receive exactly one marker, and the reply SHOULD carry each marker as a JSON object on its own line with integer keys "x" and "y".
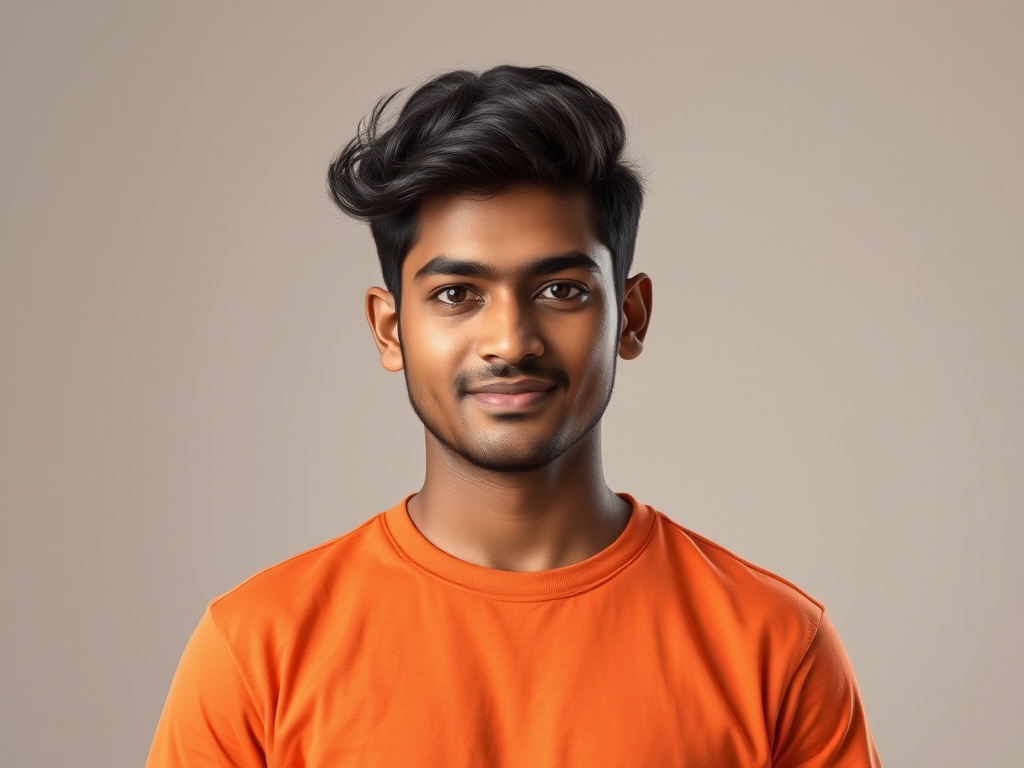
{"x": 518, "y": 386}
{"x": 515, "y": 395}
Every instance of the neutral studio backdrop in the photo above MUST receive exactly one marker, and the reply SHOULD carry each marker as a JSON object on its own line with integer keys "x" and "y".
{"x": 833, "y": 385}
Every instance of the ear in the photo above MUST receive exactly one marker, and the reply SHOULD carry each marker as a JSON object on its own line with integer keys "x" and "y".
{"x": 636, "y": 315}
{"x": 383, "y": 320}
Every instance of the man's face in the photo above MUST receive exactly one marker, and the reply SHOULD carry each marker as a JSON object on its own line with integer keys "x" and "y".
{"x": 509, "y": 325}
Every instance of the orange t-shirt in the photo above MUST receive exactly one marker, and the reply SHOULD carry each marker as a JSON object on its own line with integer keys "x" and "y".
{"x": 378, "y": 649}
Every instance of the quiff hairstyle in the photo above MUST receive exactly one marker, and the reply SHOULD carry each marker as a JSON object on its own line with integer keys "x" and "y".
{"x": 481, "y": 134}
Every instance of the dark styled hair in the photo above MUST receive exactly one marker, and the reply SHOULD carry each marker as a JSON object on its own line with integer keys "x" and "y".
{"x": 481, "y": 134}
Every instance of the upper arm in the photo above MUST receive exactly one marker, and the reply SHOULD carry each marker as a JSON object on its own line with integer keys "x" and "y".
{"x": 821, "y": 721}
{"x": 209, "y": 717}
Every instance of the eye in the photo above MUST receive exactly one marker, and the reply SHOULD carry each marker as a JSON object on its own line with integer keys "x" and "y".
{"x": 453, "y": 295}
{"x": 563, "y": 291}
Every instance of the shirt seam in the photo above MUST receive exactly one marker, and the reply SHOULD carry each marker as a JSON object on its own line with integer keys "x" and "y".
{"x": 249, "y": 688}
{"x": 286, "y": 561}
{"x": 752, "y": 566}
{"x": 793, "y": 671}
{"x": 547, "y": 597}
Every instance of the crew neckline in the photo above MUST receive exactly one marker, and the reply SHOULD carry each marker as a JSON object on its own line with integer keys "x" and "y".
{"x": 521, "y": 586}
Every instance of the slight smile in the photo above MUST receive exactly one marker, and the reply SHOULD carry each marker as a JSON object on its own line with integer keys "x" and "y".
{"x": 513, "y": 395}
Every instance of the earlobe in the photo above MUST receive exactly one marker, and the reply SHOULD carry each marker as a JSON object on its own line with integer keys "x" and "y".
{"x": 382, "y": 316}
{"x": 637, "y": 302}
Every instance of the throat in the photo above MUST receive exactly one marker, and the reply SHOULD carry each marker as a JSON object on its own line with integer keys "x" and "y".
{"x": 532, "y": 521}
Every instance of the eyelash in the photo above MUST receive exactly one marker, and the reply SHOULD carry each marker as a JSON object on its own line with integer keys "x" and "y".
{"x": 581, "y": 293}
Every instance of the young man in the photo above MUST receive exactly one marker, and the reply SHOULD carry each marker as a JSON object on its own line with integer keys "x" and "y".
{"x": 514, "y": 611}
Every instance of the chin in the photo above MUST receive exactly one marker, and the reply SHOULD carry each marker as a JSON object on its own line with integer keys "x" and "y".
{"x": 506, "y": 454}
{"x": 508, "y": 464}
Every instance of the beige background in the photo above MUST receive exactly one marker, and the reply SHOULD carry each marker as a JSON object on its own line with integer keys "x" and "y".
{"x": 833, "y": 385}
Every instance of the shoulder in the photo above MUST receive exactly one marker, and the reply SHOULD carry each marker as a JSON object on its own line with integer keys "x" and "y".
{"x": 741, "y": 572}
{"x": 735, "y": 593}
{"x": 275, "y": 606}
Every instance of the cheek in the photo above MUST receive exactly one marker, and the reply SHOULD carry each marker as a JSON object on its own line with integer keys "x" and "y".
{"x": 589, "y": 353}
{"x": 428, "y": 351}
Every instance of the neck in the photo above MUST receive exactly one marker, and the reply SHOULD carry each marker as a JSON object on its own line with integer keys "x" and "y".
{"x": 546, "y": 518}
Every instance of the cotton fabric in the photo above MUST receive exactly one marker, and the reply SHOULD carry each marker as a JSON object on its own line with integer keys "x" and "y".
{"x": 379, "y": 649}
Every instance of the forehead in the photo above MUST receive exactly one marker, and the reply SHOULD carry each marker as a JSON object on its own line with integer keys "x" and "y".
{"x": 506, "y": 229}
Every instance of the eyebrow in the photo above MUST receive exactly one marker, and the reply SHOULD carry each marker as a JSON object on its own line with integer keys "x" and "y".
{"x": 449, "y": 265}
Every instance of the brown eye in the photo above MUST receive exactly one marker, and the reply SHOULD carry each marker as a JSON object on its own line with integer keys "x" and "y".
{"x": 454, "y": 295}
{"x": 562, "y": 291}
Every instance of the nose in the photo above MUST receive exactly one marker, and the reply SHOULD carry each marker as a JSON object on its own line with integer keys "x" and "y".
{"x": 507, "y": 332}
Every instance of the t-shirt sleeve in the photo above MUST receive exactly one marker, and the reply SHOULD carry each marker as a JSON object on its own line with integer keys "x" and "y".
{"x": 209, "y": 718}
{"x": 821, "y": 721}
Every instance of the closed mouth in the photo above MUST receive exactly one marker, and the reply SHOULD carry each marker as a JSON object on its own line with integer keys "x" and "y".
{"x": 516, "y": 387}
